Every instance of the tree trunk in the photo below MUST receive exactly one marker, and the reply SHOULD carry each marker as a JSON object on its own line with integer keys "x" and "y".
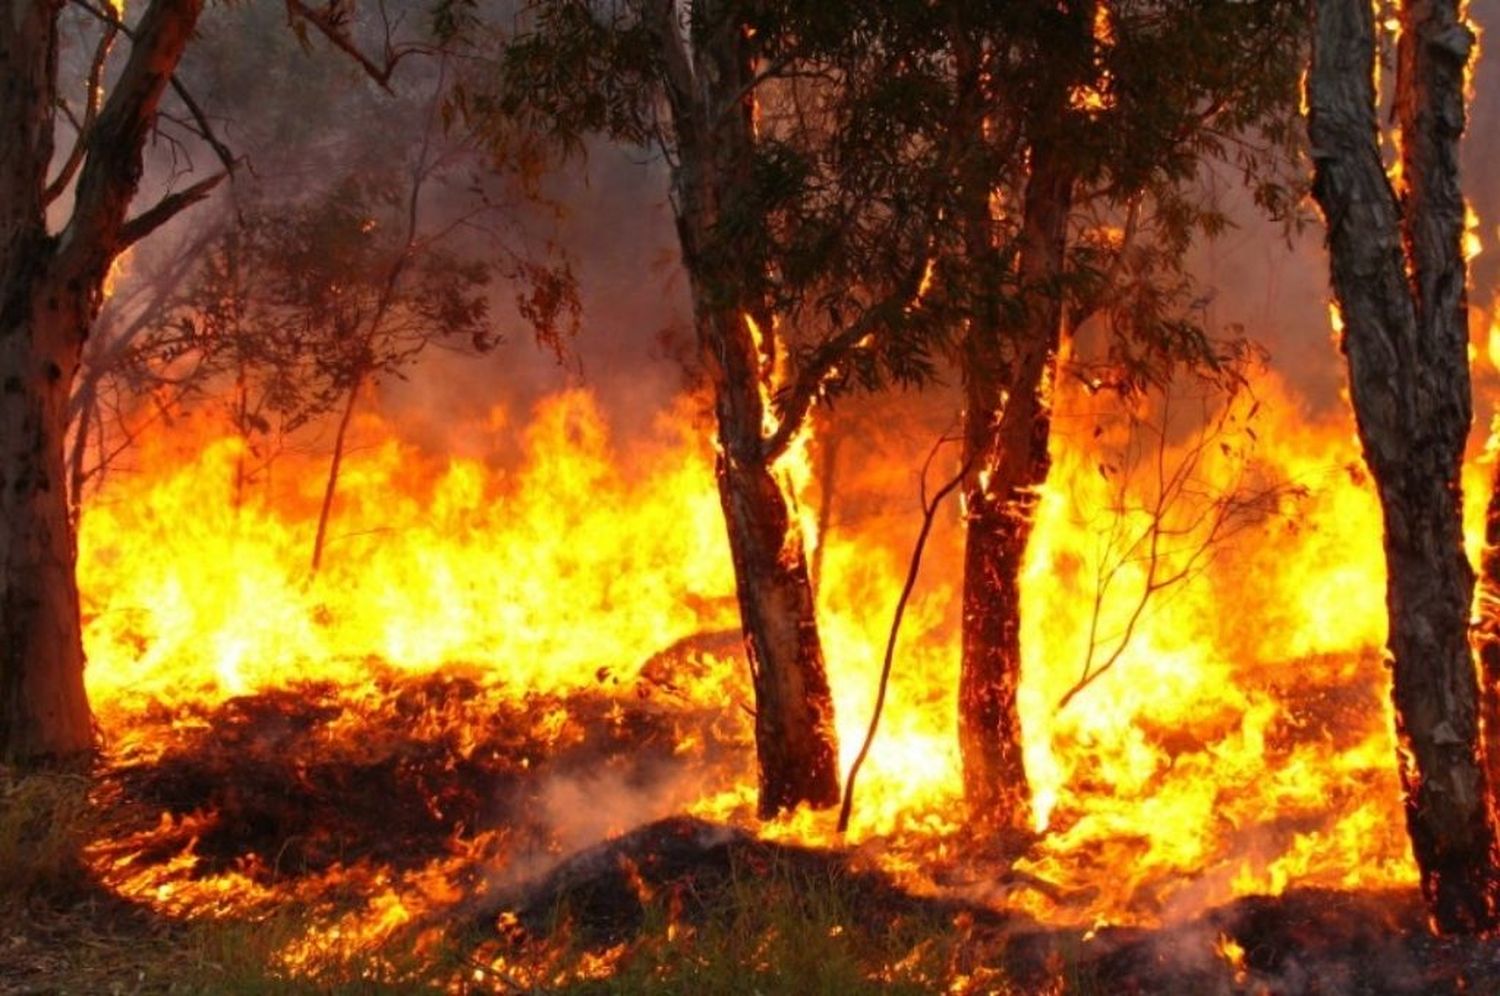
{"x": 1010, "y": 364}
{"x": 43, "y": 709}
{"x": 713, "y": 114}
{"x": 50, "y": 292}
{"x": 44, "y": 714}
{"x": 795, "y": 742}
{"x": 1399, "y": 274}
{"x": 794, "y": 736}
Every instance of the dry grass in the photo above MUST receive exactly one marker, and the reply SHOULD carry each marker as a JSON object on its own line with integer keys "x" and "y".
{"x": 786, "y": 931}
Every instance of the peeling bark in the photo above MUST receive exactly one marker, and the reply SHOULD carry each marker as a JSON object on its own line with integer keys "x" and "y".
{"x": 1399, "y": 274}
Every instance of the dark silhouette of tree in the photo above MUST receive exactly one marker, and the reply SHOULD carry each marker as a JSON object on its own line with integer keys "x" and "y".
{"x": 51, "y": 285}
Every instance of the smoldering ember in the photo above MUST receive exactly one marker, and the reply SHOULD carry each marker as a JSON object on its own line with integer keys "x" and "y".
{"x": 701, "y": 496}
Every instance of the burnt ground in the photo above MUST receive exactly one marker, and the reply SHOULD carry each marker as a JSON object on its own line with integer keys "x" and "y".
{"x": 289, "y": 789}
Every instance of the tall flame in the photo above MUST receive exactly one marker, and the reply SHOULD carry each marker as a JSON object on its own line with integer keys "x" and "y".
{"x": 1239, "y": 740}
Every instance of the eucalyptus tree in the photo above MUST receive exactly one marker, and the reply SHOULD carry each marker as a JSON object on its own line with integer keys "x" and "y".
{"x": 1400, "y": 277}
{"x": 71, "y": 167}
{"x": 809, "y": 210}
{"x": 1090, "y": 125}
{"x": 51, "y": 285}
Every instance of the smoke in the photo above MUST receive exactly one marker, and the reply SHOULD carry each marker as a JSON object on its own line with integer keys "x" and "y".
{"x": 582, "y": 810}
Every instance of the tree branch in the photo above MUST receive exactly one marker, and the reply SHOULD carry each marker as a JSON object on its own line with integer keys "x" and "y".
{"x": 110, "y": 175}
{"x": 331, "y": 23}
{"x": 680, "y": 76}
{"x": 166, "y": 209}
{"x": 929, "y": 513}
{"x": 90, "y": 115}
{"x": 204, "y": 130}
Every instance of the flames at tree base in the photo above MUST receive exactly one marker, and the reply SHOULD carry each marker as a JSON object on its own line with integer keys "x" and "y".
{"x": 401, "y": 864}
{"x": 524, "y": 645}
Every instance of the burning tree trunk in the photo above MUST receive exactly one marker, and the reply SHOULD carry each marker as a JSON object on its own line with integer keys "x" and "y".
{"x": 711, "y": 97}
{"x": 1009, "y": 361}
{"x": 1009, "y": 369}
{"x": 50, "y": 290}
{"x": 794, "y": 735}
{"x": 1399, "y": 275}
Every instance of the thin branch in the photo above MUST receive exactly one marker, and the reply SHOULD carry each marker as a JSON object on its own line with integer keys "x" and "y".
{"x": 203, "y": 129}
{"x": 1169, "y": 516}
{"x": 110, "y": 175}
{"x": 90, "y": 115}
{"x": 166, "y": 209}
{"x": 929, "y": 513}
{"x": 332, "y": 25}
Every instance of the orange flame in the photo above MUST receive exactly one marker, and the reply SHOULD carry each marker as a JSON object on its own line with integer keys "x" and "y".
{"x": 1240, "y": 742}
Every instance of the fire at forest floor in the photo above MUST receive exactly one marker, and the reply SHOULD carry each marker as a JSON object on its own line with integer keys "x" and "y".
{"x": 454, "y": 839}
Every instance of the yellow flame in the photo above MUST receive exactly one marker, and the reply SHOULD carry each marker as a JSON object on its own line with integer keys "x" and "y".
{"x": 1234, "y": 953}
{"x": 1336, "y": 322}
{"x": 586, "y": 555}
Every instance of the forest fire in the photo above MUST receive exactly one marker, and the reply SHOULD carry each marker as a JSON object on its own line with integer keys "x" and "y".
{"x": 706, "y": 496}
{"x": 1232, "y": 737}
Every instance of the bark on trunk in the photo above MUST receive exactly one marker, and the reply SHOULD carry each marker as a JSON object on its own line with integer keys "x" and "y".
{"x": 43, "y": 709}
{"x": 711, "y": 97}
{"x": 44, "y": 714}
{"x": 1009, "y": 357}
{"x": 794, "y": 735}
{"x": 1009, "y": 369}
{"x": 50, "y": 292}
{"x": 1399, "y": 275}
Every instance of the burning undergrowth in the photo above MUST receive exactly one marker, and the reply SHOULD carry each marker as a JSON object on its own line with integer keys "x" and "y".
{"x": 526, "y": 842}
{"x": 288, "y": 788}
{"x": 681, "y": 877}
{"x": 497, "y": 667}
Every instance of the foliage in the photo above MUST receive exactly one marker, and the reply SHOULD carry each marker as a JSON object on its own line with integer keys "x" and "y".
{"x": 285, "y": 310}
{"x": 870, "y": 135}
{"x": 355, "y": 236}
{"x": 310, "y": 302}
